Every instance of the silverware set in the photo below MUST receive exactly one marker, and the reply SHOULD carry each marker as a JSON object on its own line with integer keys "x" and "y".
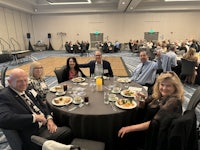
{"x": 113, "y": 106}
{"x": 75, "y": 107}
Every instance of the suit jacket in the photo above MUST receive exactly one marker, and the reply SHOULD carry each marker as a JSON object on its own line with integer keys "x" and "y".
{"x": 106, "y": 67}
{"x": 16, "y": 115}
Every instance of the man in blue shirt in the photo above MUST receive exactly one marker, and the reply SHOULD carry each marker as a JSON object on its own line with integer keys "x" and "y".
{"x": 145, "y": 73}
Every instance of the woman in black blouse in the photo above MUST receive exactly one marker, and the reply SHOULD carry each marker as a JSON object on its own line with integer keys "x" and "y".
{"x": 159, "y": 109}
{"x": 72, "y": 70}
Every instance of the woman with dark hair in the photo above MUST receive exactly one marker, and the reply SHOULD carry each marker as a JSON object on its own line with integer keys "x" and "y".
{"x": 72, "y": 70}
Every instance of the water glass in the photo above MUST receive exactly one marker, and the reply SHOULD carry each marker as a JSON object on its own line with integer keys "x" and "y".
{"x": 92, "y": 78}
{"x": 106, "y": 100}
{"x": 141, "y": 101}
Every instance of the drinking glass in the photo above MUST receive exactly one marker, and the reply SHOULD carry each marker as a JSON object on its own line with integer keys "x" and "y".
{"x": 92, "y": 78}
{"x": 106, "y": 94}
{"x": 86, "y": 100}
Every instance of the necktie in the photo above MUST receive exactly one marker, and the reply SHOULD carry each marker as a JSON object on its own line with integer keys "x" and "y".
{"x": 141, "y": 68}
{"x": 31, "y": 105}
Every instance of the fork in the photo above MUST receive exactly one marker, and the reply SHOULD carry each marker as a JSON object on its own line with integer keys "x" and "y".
{"x": 113, "y": 107}
{"x": 75, "y": 107}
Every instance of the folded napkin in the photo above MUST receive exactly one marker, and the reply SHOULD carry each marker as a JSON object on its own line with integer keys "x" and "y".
{"x": 136, "y": 89}
{"x": 53, "y": 145}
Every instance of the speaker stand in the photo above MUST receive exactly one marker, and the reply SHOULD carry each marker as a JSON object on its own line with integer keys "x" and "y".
{"x": 50, "y": 46}
{"x": 30, "y": 46}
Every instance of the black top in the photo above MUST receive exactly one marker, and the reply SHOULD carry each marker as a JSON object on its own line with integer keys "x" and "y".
{"x": 65, "y": 75}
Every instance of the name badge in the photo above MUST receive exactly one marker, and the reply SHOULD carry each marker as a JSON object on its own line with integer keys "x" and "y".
{"x": 43, "y": 85}
{"x": 33, "y": 92}
{"x": 105, "y": 71}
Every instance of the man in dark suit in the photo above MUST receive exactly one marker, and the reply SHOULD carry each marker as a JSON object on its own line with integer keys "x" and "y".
{"x": 98, "y": 66}
{"x": 21, "y": 110}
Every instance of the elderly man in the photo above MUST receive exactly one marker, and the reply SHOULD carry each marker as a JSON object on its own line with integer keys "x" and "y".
{"x": 98, "y": 66}
{"x": 21, "y": 110}
{"x": 145, "y": 73}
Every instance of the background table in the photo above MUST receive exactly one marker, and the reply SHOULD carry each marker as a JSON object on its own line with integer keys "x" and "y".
{"x": 96, "y": 121}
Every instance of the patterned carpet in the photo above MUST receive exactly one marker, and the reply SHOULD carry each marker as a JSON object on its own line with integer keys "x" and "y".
{"x": 130, "y": 60}
{"x": 52, "y": 62}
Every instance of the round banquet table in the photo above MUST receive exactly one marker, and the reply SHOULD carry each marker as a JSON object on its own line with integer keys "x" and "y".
{"x": 95, "y": 121}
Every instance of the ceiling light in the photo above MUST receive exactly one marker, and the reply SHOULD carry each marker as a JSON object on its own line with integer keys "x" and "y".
{"x": 123, "y": 3}
{"x": 180, "y": 0}
{"x": 68, "y": 3}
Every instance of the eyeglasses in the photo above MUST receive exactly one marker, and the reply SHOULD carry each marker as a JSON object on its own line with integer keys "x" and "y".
{"x": 98, "y": 55}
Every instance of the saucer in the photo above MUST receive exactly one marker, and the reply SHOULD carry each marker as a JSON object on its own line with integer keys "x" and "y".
{"x": 60, "y": 93}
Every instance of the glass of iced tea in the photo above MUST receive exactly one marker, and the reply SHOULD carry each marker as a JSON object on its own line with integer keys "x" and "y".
{"x": 65, "y": 87}
{"x": 86, "y": 100}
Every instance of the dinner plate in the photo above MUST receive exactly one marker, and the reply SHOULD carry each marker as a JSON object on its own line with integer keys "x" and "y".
{"x": 123, "y": 80}
{"x": 62, "y": 100}
{"x": 128, "y": 105}
{"x": 128, "y": 93}
{"x": 55, "y": 89}
{"x": 78, "y": 79}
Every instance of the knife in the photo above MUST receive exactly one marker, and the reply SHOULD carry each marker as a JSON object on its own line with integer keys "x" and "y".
{"x": 73, "y": 108}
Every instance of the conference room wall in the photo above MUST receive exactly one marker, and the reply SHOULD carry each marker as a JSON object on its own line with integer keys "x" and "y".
{"x": 14, "y": 24}
{"x": 117, "y": 26}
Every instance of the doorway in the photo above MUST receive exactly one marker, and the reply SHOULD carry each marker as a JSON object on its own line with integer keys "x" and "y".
{"x": 95, "y": 38}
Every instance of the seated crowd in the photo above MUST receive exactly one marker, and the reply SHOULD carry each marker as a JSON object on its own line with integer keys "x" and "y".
{"x": 170, "y": 54}
{"x": 77, "y": 47}
{"x": 108, "y": 47}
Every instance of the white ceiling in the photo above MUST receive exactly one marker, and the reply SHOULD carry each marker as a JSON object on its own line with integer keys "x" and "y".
{"x": 100, "y": 6}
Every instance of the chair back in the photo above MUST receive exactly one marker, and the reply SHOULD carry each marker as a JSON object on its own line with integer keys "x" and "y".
{"x": 194, "y": 100}
{"x": 182, "y": 132}
{"x": 3, "y": 75}
{"x": 59, "y": 73}
{"x": 166, "y": 62}
{"x": 13, "y": 139}
{"x": 187, "y": 67}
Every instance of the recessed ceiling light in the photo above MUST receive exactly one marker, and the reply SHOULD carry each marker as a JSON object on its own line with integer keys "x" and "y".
{"x": 123, "y": 3}
{"x": 180, "y": 0}
{"x": 68, "y": 3}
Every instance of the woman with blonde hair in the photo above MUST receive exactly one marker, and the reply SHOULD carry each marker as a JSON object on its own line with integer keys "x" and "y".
{"x": 190, "y": 55}
{"x": 164, "y": 105}
{"x": 37, "y": 81}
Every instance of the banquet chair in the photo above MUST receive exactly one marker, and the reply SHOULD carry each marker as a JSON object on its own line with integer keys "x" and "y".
{"x": 178, "y": 134}
{"x": 3, "y": 75}
{"x": 13, "y": 139}
{"x": 59, "y": 72}
{"x": 182, "y": 132}
{"x": 194, "y": 100}
{"x": 187, "y": 67}
{"x": 77, "y": 144}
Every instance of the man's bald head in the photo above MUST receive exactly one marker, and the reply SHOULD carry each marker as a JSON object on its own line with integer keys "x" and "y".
{"x": 18, "y": 79}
